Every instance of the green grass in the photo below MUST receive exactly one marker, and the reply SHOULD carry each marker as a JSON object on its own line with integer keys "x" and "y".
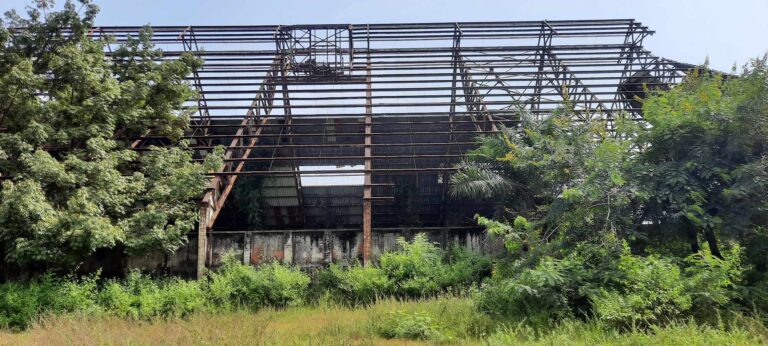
{"x": 446, "y": 320}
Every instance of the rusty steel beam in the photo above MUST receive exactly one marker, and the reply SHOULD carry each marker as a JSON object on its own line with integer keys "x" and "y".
{"x": 367, "y": 190}
{"x": 189, "y": 44}
{"x": 447, "y": 82}
{"x": 221, "y": 185}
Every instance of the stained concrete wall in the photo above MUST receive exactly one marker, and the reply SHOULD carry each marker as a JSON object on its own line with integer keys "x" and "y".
{"x": 305, "y": 248}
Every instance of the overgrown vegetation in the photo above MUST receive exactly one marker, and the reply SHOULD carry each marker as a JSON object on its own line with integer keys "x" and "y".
{"x": 455, "y": 320}
{"x": 606, "y": 225}
{"x": 603, "y": 221}
{"x": 418, "y": 269}
{"x": 238, "y": 286}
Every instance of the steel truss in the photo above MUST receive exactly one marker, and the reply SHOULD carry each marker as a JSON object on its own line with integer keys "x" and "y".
{"x": 403, "y": 101}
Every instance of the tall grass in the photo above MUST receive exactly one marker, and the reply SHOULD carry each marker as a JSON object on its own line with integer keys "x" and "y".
{"x": 454, "y": 318}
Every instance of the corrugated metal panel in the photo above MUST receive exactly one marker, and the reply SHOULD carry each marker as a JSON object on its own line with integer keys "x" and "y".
{"x": 280, "y": 191}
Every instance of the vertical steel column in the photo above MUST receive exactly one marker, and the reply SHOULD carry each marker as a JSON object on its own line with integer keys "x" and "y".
{"x": 454, "y": 77}
{"x": 367, "y": 193}
{"x": 634, "y": 39}
{"x": 451, "y": 115}
{"x": 206, "y": 211}
{"x": 545, "y": 40}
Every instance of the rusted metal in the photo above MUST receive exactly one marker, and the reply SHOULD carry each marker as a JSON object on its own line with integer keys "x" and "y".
{"x": 434, "y": 88}
{"x": 367, "y": 189}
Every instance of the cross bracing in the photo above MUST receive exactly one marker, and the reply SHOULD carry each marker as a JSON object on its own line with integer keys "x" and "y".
{"x": 394, "y": 104}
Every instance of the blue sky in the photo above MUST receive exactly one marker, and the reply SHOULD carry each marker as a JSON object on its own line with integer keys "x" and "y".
{"x": 727, "y": 32}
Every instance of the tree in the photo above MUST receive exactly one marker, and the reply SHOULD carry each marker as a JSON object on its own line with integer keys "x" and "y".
{"x": 557, "y": 179}
{"x": 705, "y": 160}
{"x": 72, "y": 184}
{"x": 698, "y": 166}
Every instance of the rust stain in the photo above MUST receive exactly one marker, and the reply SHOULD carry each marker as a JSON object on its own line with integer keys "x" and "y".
{"x": 257, "y": 254}
{"x": 278, "y": 254}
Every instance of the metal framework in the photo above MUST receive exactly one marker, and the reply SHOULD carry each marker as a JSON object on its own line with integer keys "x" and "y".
{"x": 399, "y": 103}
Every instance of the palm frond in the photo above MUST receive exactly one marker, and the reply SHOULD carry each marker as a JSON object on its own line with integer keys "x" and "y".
{"x": 478, "y": 181}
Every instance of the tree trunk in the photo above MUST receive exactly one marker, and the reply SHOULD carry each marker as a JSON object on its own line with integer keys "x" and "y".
{"x": 709, "y": 235}
{"x": 693, "y": 236}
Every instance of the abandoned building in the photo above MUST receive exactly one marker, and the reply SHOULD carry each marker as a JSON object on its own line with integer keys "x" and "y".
{"x": 341, "y": 138}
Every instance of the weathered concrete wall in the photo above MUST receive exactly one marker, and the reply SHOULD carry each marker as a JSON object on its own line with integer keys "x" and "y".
{"x": 306, "y": 249}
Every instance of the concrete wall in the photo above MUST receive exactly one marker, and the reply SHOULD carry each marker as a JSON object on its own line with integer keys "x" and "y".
{"x": 305, "y": 248}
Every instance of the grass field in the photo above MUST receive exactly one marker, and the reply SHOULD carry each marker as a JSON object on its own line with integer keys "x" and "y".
{"x": 450, "y": 320}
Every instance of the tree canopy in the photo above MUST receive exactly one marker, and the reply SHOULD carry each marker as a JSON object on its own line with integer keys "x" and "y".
{"x": 71, "y": 183}
{"x": 695, "y": 166}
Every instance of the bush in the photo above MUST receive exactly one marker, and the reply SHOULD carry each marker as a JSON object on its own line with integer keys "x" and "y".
{"x": 651, "y": 289}
{"x": 421, "y": 268}
{"x": 73, "y": 295}
{"x": 19, "y": 303}
{"x": 140, "y": 297}
{"x": 613, "y": 286}
{"x": 540, "y": 294}
{"x": 656, "y": 289}
{"x": 713, "y": 283}
{"x": 239, "y": 285}
{"x": 466, "y": 268}
{"x": 22, "y": 303}
{"x": 281, "y": 286}
{"x": 181, "y": 298}
{"x": 408, "y": 325}
{"x": 116, "y": 299}
{"x": 417, "y": 268}
{"x": 355, "y": 284}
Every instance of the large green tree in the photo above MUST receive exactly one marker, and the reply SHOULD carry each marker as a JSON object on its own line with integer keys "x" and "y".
{"x": 560, "y": 181}
{"x": 704, "y": 164}
{"x": 696, "y": 167}
{"x": 71, "y": 183}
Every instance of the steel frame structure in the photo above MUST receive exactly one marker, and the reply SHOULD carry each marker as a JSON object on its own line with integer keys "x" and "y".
{"x": 393, "y": 100}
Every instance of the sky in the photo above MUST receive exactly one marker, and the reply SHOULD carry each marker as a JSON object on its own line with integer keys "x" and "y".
{"x": 728, "y": 32}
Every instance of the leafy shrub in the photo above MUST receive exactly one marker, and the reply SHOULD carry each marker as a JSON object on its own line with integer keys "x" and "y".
{"x": 651, "y": 289}
{"x": 466, "y": 268}
{"x": 614, "y": 286}
{"x": 657, "y": 289}
{"x": 713, "y": 282}
{"x": 76, "y": 295}
{"x": 280, "y": 285}
{"x": 116, "y": 298}
{"x": 20, "y": 303}
{"x": 539, "y": 294}
{"x": 420, "y": 268}
{"x": 356, "y": 284}
{"x": 408, "y": 325}
{"x": 181, "y": 298}
{"x": 417, "y": 268}
{"x": 239, "y": 285}
{"x": 233, "y": 286}
{"x": 140, "y": 297}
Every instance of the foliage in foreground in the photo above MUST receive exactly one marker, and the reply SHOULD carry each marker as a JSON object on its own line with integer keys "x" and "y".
{"x": 455, "y": 319}
{"x": 608, "y": 224}
{"x": 242, "y": 287}
{"x": 140, "y": 297}
{"x": 69, "y": 115}
{"x": 418, "y": 269}
{"x": 616, "y": 288}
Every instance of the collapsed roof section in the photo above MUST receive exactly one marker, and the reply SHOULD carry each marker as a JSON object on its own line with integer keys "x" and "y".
{"x": 359, "y": 125}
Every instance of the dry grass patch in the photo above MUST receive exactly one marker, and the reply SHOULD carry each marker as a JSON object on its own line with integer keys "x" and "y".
{"x": 456, "y": 319}
{"x": 323, "y": 325}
